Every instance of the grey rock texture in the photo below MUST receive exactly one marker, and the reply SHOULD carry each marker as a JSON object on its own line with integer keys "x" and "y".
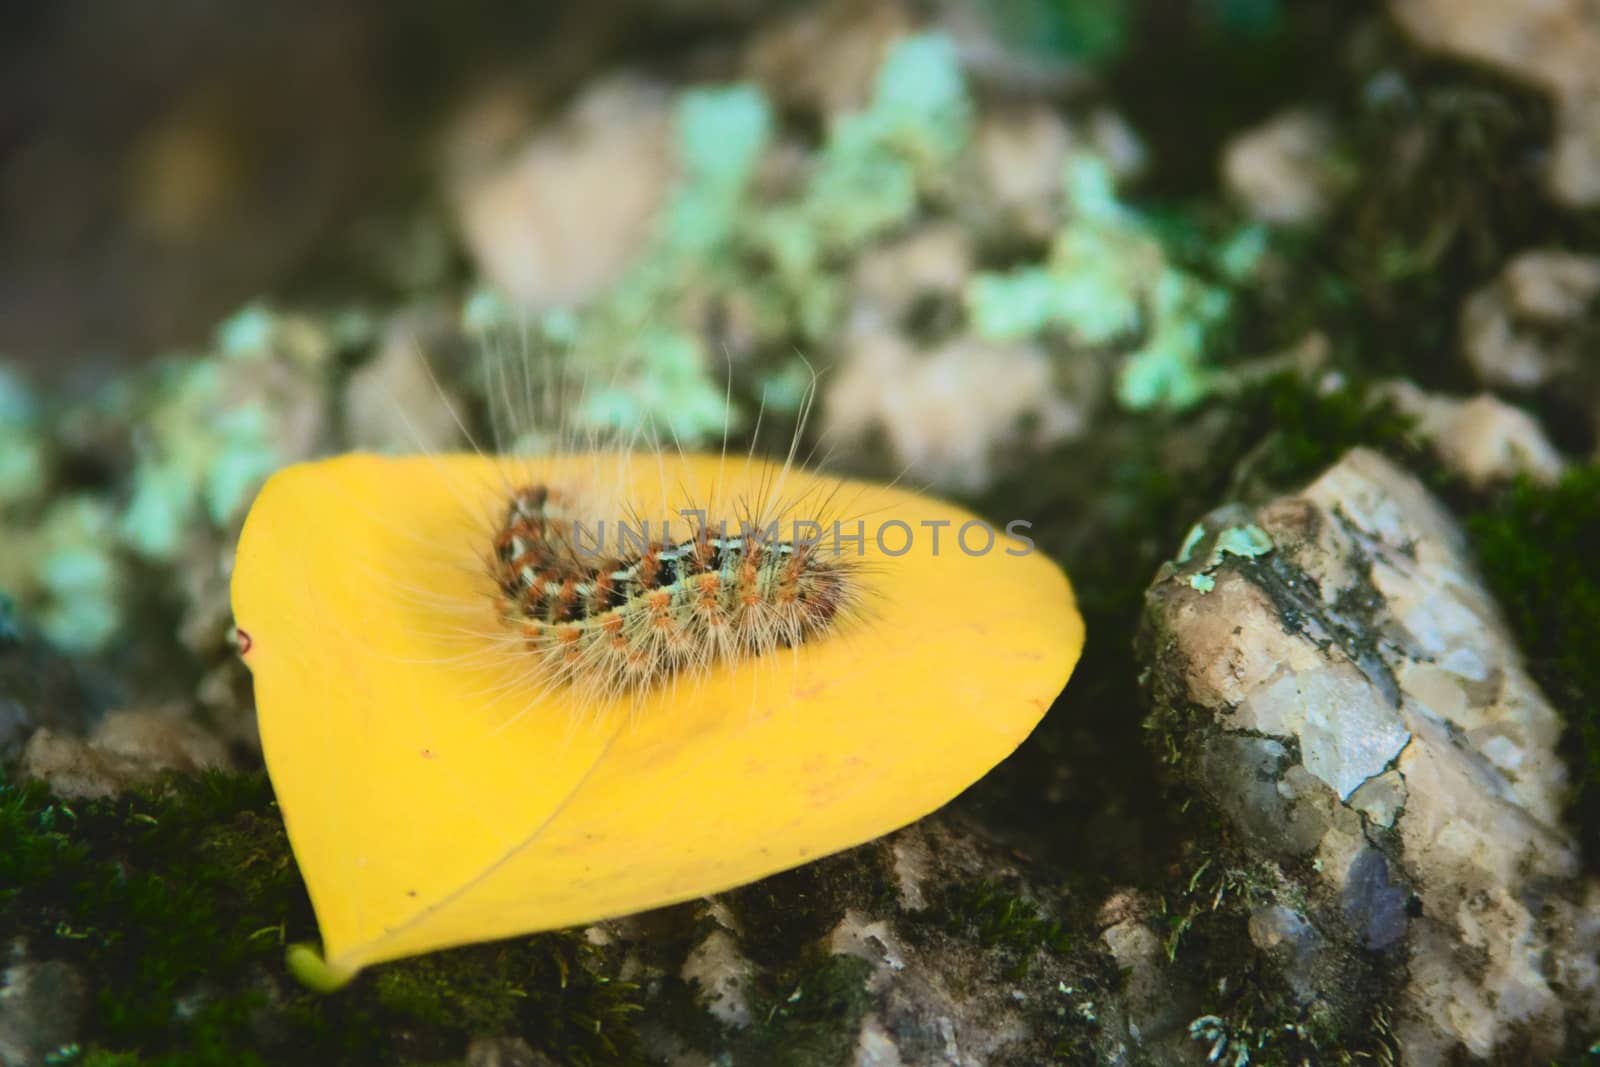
{"x": 125, "y": 748}
{"x": 932, "y": 947}
{"x": 1330, "y": 673}
{"x": 41, "y": 1008}
{"x": 1526, "y": 328}
{"x": 1553, "y": 45}
{"x": 1283, "y": 171}
{"x": 1482, "y": 438}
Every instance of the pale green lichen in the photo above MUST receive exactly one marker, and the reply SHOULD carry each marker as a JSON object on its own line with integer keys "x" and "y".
{"x": 200, "y": 460}
{"x": 59, "y": 564}
{"x": 877, "y": 162}
{"x": 644, "y": 359}
{"x": 208, "y": 444}
{"x": 1247, "y": 542}
{"x": 1242, "y": 540}
{"x": 722, "y": 134}
{"x": 783, "y": 263}
{"x": 205, "y": 432}
{"x": 1191, "y": 541}
{"x": 78, "y": 577}
{"x": 1109, "y": 283}
{"x": 21, "y": 453}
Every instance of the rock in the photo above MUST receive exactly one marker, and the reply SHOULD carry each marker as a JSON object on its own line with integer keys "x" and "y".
{"x": 1113, "y": 139}
{"x": 1553, "y": 45}
{"x": 531, "y": 223}
{"x": 1289, "y": 937}
{"x": 929, "y": 265}
{"x": 1374, "y": 906}
{"x": 951, "y": 414}
{"x": 126, "y": 748}
{"x": 207, "y": 606}
{"x": 148, "y": 741}
{"x": 916, "y": 1016}
{"x": 396, "y": 401}
{"x": 504, "y": 1052}
{"x": 1022, "y": 152}
{"x": 931, "y": 946}
{"x": 72, "y": 769}
{"x": 1342, "y": 688}
{"x": 1156, "y": 1005}
{"x": 941, "y": 1000}
{"x": 1281, "y": 171}
{"x": 41, "y": 1012}
{"x": 1524, "y": 329}
{"x": 718, "y": 967}
{"x": 825, "y": 57}
{"x": 1483, "y": 438}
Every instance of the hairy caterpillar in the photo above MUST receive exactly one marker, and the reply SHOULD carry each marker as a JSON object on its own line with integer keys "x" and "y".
{"x": 632, "y": 618}
{"x": 610, "y": 573}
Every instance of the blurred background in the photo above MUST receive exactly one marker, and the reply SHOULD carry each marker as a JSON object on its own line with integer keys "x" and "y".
{"x": 156, "y": 171}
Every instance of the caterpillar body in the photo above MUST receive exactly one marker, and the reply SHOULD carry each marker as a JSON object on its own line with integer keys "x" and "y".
{"x": 621, "y": 621}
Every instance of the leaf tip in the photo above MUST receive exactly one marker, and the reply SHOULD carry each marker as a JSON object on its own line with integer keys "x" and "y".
{"x": 314, "y": 972}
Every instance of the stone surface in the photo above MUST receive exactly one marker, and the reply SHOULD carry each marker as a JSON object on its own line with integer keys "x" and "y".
{"x": 41, "y": 1010}
{"x": 532, "y": 223}
{"x": 505, "y": 1052}
{"x": 719, "y": 970}
{"x": 824, "y": 58}
{"x": 1351, "y": 697}
{"x": 126, "y": 748}
{"x": 1022, "y": 152}
{"x": 1482, "y": 438}
{"x": 1281, "y": 171}
{"x": 396, "y": 401}
{"x": 1551, "y": 44}
{"x": 1525, "y": 328}
{"x": 1156, "y": 1002}
{"x": 929, "y": 265}
{"x": 953, "y": 412}
{"x": 926, "y": 990}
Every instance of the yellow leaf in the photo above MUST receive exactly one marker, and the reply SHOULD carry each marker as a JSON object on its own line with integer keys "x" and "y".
{"x": 435, "y": 794}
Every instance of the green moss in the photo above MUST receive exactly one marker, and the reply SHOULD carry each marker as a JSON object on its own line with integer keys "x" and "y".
{"x": 171, "y": 883}
{"x": 809, "y": 1015}
{"x": 1289, "y": 431}
{"x": 776, "y": 264}
{"x": 1536, "y": 546}
{"x": 449, "y": 991}
{"x": 1249, "y": 1013}
{"x": 175, "y": 903}
{"x": 102, "y": 1058}
{"x": 997, "y": 917}
{"x": 1085, "y": 30}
